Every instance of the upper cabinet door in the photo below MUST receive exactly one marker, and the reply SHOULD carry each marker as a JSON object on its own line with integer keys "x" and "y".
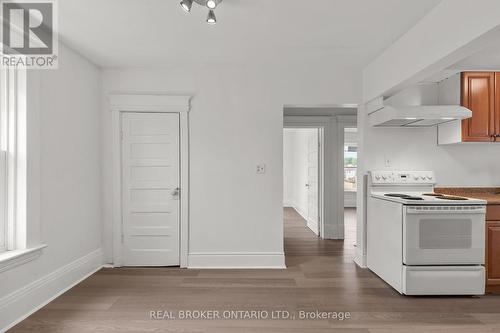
{"x": 478, "y": 95}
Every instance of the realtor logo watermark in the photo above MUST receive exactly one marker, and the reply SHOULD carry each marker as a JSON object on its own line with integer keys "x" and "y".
{"x": 29, "y": 38}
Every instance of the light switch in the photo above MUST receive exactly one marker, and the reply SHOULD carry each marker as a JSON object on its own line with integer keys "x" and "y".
{"x": 261, "y": 169}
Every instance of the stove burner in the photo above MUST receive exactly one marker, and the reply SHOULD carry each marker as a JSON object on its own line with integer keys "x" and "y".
{"x": 446, "y": 197}
{"x": 433, "y": 195}
{"x": 403, "y": 196}
{"x": 397, "y": 195}
{"x": 413, "y": 198}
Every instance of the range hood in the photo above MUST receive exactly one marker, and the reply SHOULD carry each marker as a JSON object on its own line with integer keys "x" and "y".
{"x": 417, "y": 116}
{"x": 422, "y": 105}
{"x": 425, "y": 104}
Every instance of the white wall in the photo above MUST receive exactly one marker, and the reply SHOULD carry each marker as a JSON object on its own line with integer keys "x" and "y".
{"x": 417, "y": 149}
{"x": 296, "y": 167}
{"x": 64, "y": 142}
{"x": 236, "y": 122}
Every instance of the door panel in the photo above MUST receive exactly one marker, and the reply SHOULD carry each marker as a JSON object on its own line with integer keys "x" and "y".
{"x": 313, "y": 182}
{"x": 478, "y": 95}
{"x": 493, "y": 253}
{"x": 150, "y": 171}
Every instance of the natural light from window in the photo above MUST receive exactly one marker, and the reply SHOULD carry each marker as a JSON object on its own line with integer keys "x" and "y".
{"x": 350, "y": 159}
{"x": 4, "y": 94}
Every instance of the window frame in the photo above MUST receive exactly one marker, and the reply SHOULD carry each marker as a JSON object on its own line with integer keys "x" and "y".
{"x": 8, "y": 156}
{"x": 3, "y": 203}
{"x": 4, "y": 131}
{"x": 14, "y": 104}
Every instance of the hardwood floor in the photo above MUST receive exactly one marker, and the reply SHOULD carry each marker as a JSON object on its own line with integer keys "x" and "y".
{"x": 320, "y": 276}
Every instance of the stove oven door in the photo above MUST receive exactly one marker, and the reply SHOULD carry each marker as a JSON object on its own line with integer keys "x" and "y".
{"x": 444, "y": 235}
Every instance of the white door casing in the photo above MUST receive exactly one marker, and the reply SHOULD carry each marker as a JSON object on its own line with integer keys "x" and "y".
{"x": 122, "y": 104}
{"x": 150, "y": 189}
{"x": 313, "y": 181}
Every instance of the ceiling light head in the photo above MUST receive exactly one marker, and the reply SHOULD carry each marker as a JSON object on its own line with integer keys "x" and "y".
{"x": 187, "y": 5}
{"x": 211, "y": 4}
{"x": 211, "y": 19}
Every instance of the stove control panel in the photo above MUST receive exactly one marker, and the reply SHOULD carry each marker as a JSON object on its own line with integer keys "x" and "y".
{"x": 403, "y": 177}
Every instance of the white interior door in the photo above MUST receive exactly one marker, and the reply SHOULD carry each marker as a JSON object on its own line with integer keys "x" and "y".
{"x": 150, "y": 194}
{"x": 313, "y": 182}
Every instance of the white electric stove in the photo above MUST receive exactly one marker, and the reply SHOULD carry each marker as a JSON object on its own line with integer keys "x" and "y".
{"x": 423, "y": 243}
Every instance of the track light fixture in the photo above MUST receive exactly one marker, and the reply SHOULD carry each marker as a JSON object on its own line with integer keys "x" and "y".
{"x": 210, "y": 4}
{"x": 211, "y": 19}
{"x": 186, "y": 5}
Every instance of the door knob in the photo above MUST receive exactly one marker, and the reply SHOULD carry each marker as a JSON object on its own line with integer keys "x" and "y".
{"x": 176, "y": 192}
{"x": 307, "y": 185}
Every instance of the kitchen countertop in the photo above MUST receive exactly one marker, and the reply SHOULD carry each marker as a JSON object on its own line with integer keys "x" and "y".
{"x": 490, "y": 194}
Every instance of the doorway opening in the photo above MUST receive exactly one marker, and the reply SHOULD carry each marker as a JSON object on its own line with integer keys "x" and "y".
{"x": 334, "y": 220}
{"x": 302, "y": 175}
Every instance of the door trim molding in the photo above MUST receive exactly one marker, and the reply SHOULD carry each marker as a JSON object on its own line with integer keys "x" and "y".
{"x": 150, "y": 103}
{"x": 343, "y": 122}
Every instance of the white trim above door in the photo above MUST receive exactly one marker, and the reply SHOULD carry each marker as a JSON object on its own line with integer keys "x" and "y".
{"x": 157, "y": 103}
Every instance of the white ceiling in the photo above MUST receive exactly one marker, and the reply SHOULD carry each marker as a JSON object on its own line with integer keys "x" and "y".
{"x": 148, "y": 33}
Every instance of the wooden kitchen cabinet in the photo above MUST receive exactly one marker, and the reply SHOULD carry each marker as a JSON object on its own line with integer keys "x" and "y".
{"x": 497, "y": 104}
{"x": 480, "y": 93}
{"x": 493, "y": 248}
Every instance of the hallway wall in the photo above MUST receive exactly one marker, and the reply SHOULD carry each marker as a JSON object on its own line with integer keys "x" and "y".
{"x": 295, "y": 168}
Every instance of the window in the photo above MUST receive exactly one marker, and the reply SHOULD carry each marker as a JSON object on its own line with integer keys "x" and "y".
{"x": 11, "y": 121}
{"x": 350, "y": 160}
{"x": 15, "y": 247}
{"x": 3, "y": 201}
{"x": 4, "y": 134}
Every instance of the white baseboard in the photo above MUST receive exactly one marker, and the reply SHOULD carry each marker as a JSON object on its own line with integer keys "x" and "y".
{"x": 301, "y": 213}
{"x": 360, "y": 260}
{"x": 23, "y": 302}
{"x": 236, "y": 260}
{"x": 313, "y": 227}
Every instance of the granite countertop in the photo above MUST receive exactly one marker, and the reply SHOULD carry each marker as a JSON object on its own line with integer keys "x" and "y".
{"x": 490, "y": 194}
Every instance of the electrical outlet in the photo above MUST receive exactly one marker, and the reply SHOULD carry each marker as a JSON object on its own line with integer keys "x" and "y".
{"x": 261, "y": 169}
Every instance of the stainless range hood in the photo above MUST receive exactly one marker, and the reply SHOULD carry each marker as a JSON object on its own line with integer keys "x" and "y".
{"x": 417, "y": 116}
